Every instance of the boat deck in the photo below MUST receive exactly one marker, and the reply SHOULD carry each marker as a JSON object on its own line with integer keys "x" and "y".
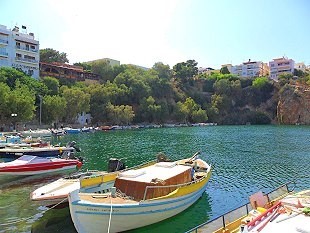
{"x": 294, "y": 222}
{"x": 105, "y": 199}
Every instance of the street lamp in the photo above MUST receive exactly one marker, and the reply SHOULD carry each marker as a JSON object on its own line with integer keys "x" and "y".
{"x": 40, "y": 96}
{"x": 14, "y": 115}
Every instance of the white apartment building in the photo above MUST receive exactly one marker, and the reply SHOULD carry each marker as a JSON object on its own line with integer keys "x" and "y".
{"x": 19, "y": 50}
{"x": 250, "y": 69}
{"x": 279, "y": 66}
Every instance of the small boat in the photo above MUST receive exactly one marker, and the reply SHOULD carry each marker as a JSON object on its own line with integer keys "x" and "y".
{"x": 69, "y": 130}
{"x": 58, "y": 132}
{"x": 33, "y": 165}
{"x": 55, "y": 192}
{"x": 16, "y": 150}
{"x": 141, "y": 197}
{"x": 278, "y": 211}
{"x": 42, "y": 133}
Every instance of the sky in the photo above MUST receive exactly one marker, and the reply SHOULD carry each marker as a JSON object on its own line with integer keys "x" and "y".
{"x": 143, "y": 32}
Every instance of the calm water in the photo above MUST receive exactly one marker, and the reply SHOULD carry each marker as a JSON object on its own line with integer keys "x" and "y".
{"x": 245, "y": 159}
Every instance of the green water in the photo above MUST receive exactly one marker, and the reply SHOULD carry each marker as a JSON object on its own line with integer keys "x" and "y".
{"x": 245, "y": 159}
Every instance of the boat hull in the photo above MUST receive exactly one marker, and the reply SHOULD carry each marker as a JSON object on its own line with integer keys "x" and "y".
{"x": 57, "y": 191}
{"x": 37, "y": 171}
{"x": 41, "y": 152}
{"x": 95, "y": 217}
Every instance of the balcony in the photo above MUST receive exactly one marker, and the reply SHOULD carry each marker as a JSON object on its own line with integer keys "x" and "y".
{"x": 27, "y": 49}
{"x": 2, "y": 41}
{"x": 26, "y": 60}
{"x": 4, "y": 54}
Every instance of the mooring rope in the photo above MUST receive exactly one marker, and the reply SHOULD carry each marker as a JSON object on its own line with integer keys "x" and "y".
{"x": 110, "y": 215}
{"x": 24, "y": 219}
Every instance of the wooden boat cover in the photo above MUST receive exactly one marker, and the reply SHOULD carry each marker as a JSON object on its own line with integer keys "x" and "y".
{"x": 134, "y": 182}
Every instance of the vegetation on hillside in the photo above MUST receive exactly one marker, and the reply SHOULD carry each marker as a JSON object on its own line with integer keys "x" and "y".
{"x": 127, "y": 94}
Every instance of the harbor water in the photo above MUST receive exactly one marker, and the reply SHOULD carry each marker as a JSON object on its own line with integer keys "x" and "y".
{"x": 245, "y": 159}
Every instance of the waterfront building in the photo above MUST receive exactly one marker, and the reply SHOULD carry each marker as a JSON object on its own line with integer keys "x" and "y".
{"x": 250, "y": 69}
{"x": 20, "y": 50}
{"x": 279, "y": 66}
{"x": 65, "y": 71}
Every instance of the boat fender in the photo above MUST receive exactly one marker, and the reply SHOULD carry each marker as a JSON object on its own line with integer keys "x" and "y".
{"x": 79, "y": 165}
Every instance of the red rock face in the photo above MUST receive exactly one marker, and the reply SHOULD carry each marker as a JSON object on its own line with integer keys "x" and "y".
{"x": 294, "y": 105}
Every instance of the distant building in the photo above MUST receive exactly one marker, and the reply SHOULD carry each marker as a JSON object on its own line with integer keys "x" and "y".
{"x": 19, "y": 50}
{"x": 300, "y": 66}
{"x": 62, "y": 70}
{"x": 250, "y": 69}
{"x": 279, "y": 66}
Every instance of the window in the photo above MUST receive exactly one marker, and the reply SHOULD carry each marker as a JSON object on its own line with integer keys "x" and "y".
{"x": 30, "y": 72}
{"x": 18, "y": 55}
{"x": 33, "y": 47}
{"x": 18, "y": 45}
{"x": 27, "y": 46}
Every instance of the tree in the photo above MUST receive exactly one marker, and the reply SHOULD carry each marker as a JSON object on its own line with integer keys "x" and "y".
{"x": 103, "y": 69}
{"x": 10, "y": 75}
{"x": 199, "y": 115}
{"x": 21, "y": 102}
{"x": 284, "y": 78}
{"x": 86, "y": 66}
{"x": 222, "y": 86}
{"x": 162, "y": 70}
{"x": 77, "y": 102}
{"x": 185, "y": 70}
{"x": 150, "y": 111}
{"x": 52, "y": 85}
{"x": 224, "y": 70}
{"x": 120, "y": 114}
{"x": 4, "y": 92}
{"x": 52, "y": 55}
{"x": 190, "y": 111}
{"x": 53, "y": 108}
{"x": 260, "y": 82}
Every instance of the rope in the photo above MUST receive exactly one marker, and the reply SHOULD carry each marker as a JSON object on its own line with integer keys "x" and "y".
{"x": 24, "y": 219}
{"x": 110, "y": 215}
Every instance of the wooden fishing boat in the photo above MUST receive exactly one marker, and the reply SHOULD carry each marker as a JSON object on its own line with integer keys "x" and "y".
{"x": 278, "y": 211}
{"x": 141, "y": 197}
{"x": 33, "y": 165}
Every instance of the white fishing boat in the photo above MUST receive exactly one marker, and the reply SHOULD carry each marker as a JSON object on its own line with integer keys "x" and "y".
{"x": 57, "y": 191}
{"x": 141, "y": 197}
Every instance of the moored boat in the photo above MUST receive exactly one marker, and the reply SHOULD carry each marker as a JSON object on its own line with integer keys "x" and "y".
{"x": 16, "y": 150}
{"x": 33, "y": 165}
{"x": 55, "y": 192}
{"x": 141, "y": 197}
{"x": 278, "y": 211}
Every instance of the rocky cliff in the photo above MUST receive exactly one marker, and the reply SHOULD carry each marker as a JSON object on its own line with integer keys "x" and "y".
{"x": 294, "y": 104}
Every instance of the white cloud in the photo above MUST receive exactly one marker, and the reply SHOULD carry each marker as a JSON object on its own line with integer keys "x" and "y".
{"x": 130, "y": 31}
